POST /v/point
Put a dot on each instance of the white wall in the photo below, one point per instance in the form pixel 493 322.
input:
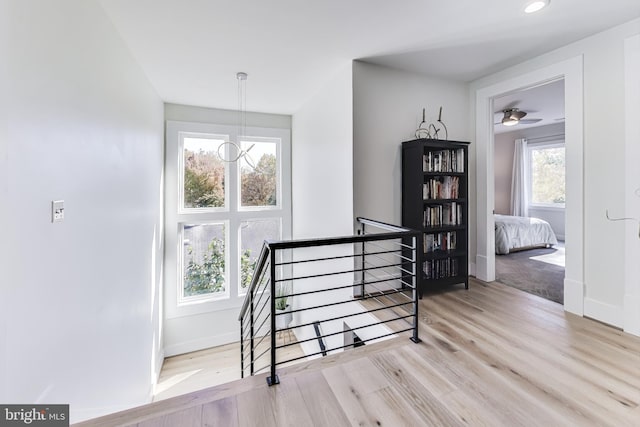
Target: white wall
pixel 604 102
pixel 322 187
pixel 188 113
pixel 503 172
pixel 4 243
pixel 387 109
pixel 82 296
pixel 197 331
pixel 322 161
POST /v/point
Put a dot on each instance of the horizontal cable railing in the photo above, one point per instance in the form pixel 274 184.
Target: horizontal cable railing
pixel 312 298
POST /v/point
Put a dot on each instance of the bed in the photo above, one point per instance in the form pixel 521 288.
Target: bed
pixel 518 233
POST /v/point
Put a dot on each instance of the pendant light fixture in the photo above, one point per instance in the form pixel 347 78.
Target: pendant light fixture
pixel 241 128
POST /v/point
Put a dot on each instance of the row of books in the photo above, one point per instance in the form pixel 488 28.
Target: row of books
pixel 441 268
pixel 440 241
pixel 444 214
pixel 442 187
pixel 444 161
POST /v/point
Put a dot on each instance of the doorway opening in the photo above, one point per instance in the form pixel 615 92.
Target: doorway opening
pixel 571 70
pixel 529 189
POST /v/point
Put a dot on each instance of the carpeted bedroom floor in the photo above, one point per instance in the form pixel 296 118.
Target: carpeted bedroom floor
pixel 537 271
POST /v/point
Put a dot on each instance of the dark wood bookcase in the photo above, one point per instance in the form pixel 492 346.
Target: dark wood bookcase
pixel 435 190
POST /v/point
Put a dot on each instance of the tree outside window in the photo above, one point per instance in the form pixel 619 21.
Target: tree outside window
pixel 547 175
pixel 204 187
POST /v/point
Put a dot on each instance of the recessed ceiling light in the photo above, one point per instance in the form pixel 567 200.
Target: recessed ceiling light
pixel 535 6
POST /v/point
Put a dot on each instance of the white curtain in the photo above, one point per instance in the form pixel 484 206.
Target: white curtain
pixel 519 185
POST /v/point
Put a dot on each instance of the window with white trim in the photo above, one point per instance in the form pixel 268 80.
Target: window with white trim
pixel 222 201
pixel 547 175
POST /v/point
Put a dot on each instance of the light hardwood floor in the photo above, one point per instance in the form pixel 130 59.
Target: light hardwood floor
pixel 490 356
pixel 207 368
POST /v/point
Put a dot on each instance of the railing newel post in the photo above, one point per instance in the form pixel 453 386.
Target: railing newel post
pixel 272 379
pixel 251 331
pixel 416 282
pixel 241 350
pixel 362 279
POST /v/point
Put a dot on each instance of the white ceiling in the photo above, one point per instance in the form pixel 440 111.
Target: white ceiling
pixel 544 102
pixel 192 49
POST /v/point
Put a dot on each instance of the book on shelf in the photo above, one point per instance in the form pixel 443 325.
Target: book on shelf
pixel 442 214
pixel 445 241
pixel 444 161
pixel 442 187
pixel 441 268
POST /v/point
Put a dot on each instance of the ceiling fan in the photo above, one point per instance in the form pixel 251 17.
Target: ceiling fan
pixel 513 116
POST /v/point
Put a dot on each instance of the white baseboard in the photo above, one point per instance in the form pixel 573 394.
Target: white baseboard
pixel 603 312
pixel 483 270
pixel 472 269
pixel 632 314
pixel 200 344
pixel 574 297
pixel 159 362
pixel 157 370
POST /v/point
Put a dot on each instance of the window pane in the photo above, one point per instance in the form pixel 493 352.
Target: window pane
pixel 547 175
pixel 258 174
pixel 204 174
pixel 252 235
pixel 203 258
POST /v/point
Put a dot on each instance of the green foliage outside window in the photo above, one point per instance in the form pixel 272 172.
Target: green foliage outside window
pixel 203 180
pixel 548 175
pixel 259 184
pixel 207 276
pixel 204 183
pixel 246 268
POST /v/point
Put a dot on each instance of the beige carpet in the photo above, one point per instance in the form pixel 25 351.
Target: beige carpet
pixel 537 271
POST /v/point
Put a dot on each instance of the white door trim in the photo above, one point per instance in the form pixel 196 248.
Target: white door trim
pixel 631 320
pixel 572 72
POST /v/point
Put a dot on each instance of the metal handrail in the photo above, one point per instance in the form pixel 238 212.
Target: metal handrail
pixel 266 277
pixel 262 259
pixel 380 224
pixel 270 245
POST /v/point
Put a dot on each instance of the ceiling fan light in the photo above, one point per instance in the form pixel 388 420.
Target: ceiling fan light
pixel 535 6
pixel 517 115
pixel 512 116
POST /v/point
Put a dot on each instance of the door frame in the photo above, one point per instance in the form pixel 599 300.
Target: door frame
pixel 571 71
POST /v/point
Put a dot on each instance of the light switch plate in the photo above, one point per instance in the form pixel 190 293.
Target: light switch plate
pixel 57 211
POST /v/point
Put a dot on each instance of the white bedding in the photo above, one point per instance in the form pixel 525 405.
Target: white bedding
pixel 517 232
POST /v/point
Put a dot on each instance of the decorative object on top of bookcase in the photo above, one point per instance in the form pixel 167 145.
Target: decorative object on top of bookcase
pixel 435 182
pixel 426 132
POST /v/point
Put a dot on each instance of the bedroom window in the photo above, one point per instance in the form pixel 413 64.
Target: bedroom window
pixel 547 175
pixel 219 210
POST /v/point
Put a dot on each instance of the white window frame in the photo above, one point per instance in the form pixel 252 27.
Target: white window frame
pixel 212 297
pixel 538 146
pixel 278 205
pixel 232 214
pixel 199 135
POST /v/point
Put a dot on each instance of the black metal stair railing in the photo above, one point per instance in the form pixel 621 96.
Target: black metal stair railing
pixel 363 286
